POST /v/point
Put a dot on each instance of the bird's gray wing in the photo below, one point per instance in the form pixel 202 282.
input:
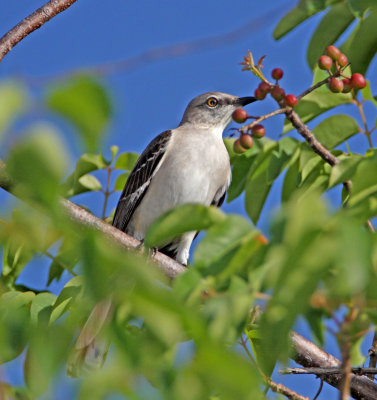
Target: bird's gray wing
pixel 139 180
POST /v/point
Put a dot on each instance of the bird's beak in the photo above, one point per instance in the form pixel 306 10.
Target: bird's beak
pixel 243 101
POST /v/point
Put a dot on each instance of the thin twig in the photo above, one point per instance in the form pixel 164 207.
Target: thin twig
pixel 107 192
pixel 170 51
pixel 326 371
pixel 359 105
pixel 319 390
pixel 31 23
pixel 248 127
pixel 281 389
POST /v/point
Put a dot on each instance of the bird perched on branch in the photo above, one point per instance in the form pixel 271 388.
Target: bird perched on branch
pixel 188 164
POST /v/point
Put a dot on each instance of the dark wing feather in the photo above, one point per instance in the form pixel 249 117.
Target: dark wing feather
pixel 139 180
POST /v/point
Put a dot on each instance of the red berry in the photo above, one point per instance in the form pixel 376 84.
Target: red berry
pixel 264 87
pixel 342 60
pixel 335 85
pixel 358 81
pixel 259 95
pixel 277 73
pixel 240 115
pixel 246 141
pixel 325 62
pixel 277 93
pixel 347 85
pixel 290 100
pixel 258 131
pixel 237 148
pixel 333 52
pixel 261 238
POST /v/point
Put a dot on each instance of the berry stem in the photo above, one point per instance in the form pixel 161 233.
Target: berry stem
pixel 367 132
pixel 248 127
pixel 107 192
pixel 317 85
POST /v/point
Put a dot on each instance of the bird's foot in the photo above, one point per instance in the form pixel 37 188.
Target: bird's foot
pixel 148 251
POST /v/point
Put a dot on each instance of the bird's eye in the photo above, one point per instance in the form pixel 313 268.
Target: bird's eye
pixel 212 102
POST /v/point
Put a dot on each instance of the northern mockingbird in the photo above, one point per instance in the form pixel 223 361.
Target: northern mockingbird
pixel 188 164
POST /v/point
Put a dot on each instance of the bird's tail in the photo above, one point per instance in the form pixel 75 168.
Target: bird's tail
pixel 90 350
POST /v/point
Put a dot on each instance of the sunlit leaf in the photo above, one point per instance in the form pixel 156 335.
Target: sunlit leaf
pixel 185 218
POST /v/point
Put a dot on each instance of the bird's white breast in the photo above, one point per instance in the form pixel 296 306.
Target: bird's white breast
pixel 194 169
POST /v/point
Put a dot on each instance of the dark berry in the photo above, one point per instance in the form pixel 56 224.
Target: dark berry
pixel 277 93
pixel 347 85
pixel 237 148
pixel 259 95
pixel 333 52
pixel 342 60
pixel 335 85
pixel 264 87
pixel 240 115
pixel 246 141
pixel 290 100
pixel 277 73
pixel 258 131
pixel 325 62
pixel 358 81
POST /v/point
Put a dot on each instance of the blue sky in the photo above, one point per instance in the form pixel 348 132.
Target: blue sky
pixel 152 97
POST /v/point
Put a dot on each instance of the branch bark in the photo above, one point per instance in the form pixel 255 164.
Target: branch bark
pixel 309 355
pixel 31 23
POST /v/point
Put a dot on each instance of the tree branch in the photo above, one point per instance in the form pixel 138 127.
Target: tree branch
pixel 326 371
pixel 31 23
pixel 309 355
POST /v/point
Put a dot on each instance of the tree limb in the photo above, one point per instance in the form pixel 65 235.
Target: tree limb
pixel 31 23
pixel 309 355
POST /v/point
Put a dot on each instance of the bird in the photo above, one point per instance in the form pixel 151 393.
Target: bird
pixel 188 164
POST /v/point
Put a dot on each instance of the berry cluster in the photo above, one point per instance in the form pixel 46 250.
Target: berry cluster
pixel 245 141
pixel 276 91
pixel 334 61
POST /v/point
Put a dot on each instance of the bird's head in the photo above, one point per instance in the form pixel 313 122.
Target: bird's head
pixel 213 109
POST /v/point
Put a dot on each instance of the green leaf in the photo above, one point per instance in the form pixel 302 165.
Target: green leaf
pixel 15 257
pixel 332 25
pixel 295 271
pixel 344 170
pixel 76 183
pixel 241 166
pixel 220 240
pixel 364 180
pixel 261 180
pixel 41 307
pixel 316 103
pixel 359 7
pixel 334 130
pixel 84 102
pixel 89 183
pixel 126 161
pixel 361 56
pixel 38 163
pixel 121 181
pixel 367 94
pixel 67 296
pixel 66 258
pixel 303 10
pixel 184 218
pixel 13 97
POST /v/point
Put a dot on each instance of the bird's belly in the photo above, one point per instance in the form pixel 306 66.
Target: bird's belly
pixel 197 182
